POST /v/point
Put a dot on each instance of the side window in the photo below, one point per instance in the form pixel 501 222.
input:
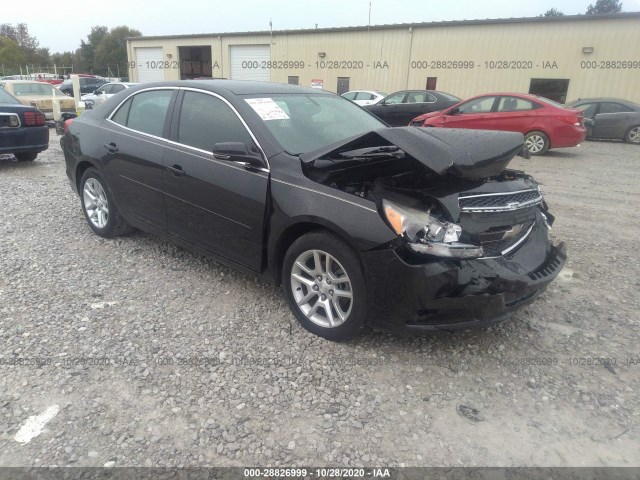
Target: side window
pixel 514 104
pixel 350 95
pixel 479 105
pixel 148 111
pixel 610 107
pixel 417 97
pixel 206 120
pixel 395 98
pixel 122 114
pixel 116 88
pixel 105 89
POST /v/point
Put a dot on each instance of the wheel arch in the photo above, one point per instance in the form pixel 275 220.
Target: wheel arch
pixel 296 230
pixel 83 165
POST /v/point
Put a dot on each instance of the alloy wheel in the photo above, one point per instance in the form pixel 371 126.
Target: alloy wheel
pixel 534 143
pixel 95 203
pixel 634 135
pixel 321 288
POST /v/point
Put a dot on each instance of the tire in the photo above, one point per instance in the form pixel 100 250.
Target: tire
pixel 26 156
pixel 304 262
pixel 633 135
pixel 98 206
pixel 537 143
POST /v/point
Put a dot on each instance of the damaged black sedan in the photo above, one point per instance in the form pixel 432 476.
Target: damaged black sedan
pixel 405 228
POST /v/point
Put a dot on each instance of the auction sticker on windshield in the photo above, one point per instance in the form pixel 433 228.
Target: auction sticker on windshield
pixel 267 109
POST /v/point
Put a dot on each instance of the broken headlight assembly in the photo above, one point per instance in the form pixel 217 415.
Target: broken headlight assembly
pixel 428 234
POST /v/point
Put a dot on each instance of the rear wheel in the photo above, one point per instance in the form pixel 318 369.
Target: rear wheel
pixel 98 206
pixel 633 135
pixel 537 143
pixel 26 156
pixel 324 286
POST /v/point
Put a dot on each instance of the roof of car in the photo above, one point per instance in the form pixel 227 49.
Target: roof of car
pixel 603 99
pixel 238 87
pixel 13 82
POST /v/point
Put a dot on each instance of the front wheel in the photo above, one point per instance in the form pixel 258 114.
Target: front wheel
pixel 633 135
pixel 537 143
pixel 98 206
pixel 324 286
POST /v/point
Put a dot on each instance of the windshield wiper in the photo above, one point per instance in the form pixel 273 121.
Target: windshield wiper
pixel 385 151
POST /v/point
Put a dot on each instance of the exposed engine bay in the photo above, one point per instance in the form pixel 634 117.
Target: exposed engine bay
pixel 439 205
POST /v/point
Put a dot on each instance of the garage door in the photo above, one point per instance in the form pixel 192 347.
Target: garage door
pixel 247 62
pixel 148 63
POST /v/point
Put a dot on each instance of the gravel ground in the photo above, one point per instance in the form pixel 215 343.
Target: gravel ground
pixel 206 366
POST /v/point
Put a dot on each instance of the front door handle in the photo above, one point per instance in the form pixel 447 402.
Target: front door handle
pixel 176 170
pixel 111 147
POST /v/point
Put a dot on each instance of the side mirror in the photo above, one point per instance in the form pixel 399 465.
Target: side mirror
pixel 237 152
pixel 453 111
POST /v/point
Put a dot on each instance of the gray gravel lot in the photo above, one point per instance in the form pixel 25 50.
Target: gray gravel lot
pixel 206 366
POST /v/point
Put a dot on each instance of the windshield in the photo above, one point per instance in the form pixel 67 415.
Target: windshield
pixel 6 98
pixel 26 89
pixel 305 122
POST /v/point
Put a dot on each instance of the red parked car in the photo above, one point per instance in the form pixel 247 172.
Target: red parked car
pixel 544 123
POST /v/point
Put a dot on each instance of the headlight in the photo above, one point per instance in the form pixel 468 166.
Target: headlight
pixel 426 233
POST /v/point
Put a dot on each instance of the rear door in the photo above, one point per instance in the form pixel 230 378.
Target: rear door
pixel 512 114
pixel 133 151
pixel 416 103
pixel 213 203
pixel 612 120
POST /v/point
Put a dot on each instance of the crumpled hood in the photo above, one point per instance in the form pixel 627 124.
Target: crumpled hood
pixel 470 154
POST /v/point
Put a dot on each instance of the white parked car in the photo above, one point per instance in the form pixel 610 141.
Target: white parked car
pixel 364 97
pixel 108 90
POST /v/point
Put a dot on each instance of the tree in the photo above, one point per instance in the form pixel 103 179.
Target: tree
pixel 20 35
pixel 111 53
pixel 553 12
pixel 88 48
pixel 605 6
pixel 10 56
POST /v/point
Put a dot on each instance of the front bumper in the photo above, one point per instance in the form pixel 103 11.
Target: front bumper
pixel 448 294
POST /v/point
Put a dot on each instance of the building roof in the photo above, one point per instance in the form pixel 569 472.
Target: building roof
pixel 393 26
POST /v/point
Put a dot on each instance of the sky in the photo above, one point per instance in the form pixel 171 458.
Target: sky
pixel 61 26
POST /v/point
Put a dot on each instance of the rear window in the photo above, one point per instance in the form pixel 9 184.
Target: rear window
pixel 26 89
pixel 550 102
pixel 448 96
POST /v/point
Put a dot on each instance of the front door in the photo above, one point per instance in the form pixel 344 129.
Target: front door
pixel 215 204
pixel 471 114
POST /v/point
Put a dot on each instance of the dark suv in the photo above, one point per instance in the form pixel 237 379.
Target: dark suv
pixel 87 85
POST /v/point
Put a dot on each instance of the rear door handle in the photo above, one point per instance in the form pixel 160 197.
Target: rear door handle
pixel 111 147
pixel 176 170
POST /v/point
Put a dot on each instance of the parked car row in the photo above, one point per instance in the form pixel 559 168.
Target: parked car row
pixel 39 95
pixel 23 131
pixel 544 123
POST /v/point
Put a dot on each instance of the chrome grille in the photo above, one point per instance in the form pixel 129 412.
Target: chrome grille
pixel 497 248
pixel 499 202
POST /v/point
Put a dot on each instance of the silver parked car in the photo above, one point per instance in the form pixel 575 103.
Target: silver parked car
pixel 610 118
pixel 102 93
